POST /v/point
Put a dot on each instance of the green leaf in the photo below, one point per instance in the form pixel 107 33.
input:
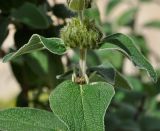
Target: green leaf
pixel 124 44
pixel 104 70
pixel 37 42
pixel 28 119
pixel 30 15
pixel 141 43
pixel 3 29
pixel 149 123
pixel 111 75
pixel 92 13
pixel 153 24
pixel 112 4
pixel 82 107
pixel 127 17
pixel 61 11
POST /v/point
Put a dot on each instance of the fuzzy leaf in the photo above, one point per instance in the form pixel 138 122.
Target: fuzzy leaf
pixel 29 119
pixel 37 42
pixel 82 107
pixel 124 44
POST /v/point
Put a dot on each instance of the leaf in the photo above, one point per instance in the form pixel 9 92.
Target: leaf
pixel 153 24
pixel 37 42
pixel 65 76
pixel 111 75
pixel 3 29
pixel 141 42
pixel 112 4
pixel 29 119
pixel 122 82
pixel 82 107
pixel 92 13
pixel 61 11
pixel 149 123
pixel 124 44
pixel 104 70
pixel 127 17
pixel 30 15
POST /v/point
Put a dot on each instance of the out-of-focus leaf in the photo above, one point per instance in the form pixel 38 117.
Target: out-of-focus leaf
pixel 111 75
pixel 66 76
pixel 92 13
pixel 7 5
pixel 37 42
pixel 82 107
pixel 92 58
pixel 104 70
pixel 136 83
pixel 122 82
pixel 55 67
pixel 153 24
pixel 30 15
pixel 149 123
pixel 124 44
pixel 134 97
pixel 48 66
pixel 61 11
pixel 128 125
pixel 116 58
pixel 146 0
pixel 3 29
pixel 141 43
pixel 111 5
pixel 127 17
pixel 29 119
pixel 107 28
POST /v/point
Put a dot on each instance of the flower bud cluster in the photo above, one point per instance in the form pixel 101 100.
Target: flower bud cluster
pixel 81 34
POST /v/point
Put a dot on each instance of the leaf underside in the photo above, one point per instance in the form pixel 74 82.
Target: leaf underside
pixel 82 107
pixel 124 44
pixel 37 42
pixel 29 119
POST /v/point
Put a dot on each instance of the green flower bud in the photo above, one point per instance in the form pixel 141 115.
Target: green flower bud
pixel 78 5
pixel 81 34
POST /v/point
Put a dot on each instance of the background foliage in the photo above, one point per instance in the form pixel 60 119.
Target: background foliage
pixel 131 110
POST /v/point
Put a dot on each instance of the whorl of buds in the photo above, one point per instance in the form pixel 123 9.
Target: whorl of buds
pixel 78 5
pixel 81 34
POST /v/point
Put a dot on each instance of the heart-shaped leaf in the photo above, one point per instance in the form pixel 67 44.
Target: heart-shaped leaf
pixel 29 119
pixel 37 42
pixel 124 44
pixel 82 107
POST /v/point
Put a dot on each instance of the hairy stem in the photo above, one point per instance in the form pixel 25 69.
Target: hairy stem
pixel 82 62
pixel 80 15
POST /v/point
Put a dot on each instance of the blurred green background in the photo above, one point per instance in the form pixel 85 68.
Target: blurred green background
pixel 28 80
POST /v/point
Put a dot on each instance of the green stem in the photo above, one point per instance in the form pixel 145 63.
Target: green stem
pixel 82 62
pixel 80 14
